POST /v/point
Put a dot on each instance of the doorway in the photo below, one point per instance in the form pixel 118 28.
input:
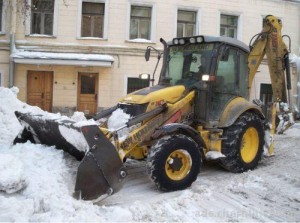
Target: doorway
pixel 40 89
pixel 87 93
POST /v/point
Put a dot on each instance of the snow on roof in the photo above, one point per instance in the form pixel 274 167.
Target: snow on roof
pixel 61 56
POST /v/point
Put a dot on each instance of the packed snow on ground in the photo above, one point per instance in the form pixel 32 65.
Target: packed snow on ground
pixel 37 182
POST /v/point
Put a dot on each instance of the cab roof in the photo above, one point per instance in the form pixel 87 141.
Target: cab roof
pixel 220 39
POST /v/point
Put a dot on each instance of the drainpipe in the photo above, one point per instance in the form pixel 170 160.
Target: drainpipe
pixel 11 61
pixel 13 23
pixel 298 82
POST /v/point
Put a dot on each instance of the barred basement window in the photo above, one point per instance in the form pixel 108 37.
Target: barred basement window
pixel 229 26
pixel 92 21
pixel 140 22
pixel 134 84
pixel 186 23
pixel 42 12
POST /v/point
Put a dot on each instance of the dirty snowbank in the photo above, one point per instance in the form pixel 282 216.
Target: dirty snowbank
pixel 269 193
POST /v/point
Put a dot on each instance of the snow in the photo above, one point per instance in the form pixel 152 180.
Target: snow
pixel 63 56
pixel 11 179
pixel 37 183
pixel 213 155
pixel 117 120
pixel 139 40
pixel 74 137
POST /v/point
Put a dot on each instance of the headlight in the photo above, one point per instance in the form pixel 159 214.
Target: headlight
pixel 199 39
pixel 175 41
pixel 205 77
pixel 144 76
pixel 192 40
pixel 181 41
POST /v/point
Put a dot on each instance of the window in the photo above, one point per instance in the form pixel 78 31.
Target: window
pixel 92 21
pixel 42 17
pixel 135 84
pixel 1 9
pixel 140 22
pixel 227 74
pixel 186 23
pixel 2 16
pixel 229 26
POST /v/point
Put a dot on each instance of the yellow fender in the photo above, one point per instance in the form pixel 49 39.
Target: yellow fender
pixel 235 108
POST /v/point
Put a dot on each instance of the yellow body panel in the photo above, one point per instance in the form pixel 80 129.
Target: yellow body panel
pixel 234 109
pixel 212 140
pixel 139 137
pixel 168 95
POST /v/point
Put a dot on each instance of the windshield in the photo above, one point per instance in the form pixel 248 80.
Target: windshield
pixel 187 63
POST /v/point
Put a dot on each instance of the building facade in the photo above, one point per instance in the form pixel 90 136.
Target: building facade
pixel 67 55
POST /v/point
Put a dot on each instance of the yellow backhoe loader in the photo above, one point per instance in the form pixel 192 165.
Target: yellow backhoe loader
pixel 199 109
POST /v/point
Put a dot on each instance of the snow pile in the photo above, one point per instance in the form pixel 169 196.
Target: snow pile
pixel 12 178
pixel 78 116
pixel 9 124
pixel 117 120
pixel 47 195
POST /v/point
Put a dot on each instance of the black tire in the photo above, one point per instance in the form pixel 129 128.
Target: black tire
pixel 184 168
pixel 237 161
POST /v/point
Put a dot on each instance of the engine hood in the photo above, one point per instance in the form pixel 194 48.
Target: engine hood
pixel 156 93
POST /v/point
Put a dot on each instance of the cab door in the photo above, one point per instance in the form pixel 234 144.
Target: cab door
pixel 225 88
pixel 87 93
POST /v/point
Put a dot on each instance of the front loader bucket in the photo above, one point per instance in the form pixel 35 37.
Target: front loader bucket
pixel 101 171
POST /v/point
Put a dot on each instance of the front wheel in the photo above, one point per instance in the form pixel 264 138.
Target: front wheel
pixel 243 143
pixel 174 162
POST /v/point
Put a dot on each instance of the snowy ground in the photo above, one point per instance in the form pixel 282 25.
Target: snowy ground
pixel 36 184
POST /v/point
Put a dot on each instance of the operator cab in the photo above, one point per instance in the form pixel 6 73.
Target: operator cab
pixel 216 67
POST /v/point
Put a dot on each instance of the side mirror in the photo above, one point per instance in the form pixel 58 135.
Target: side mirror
pixel 147 54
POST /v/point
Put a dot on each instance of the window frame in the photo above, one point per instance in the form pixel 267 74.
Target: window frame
pixel 105 18
pixel 228 27
pixel 152 21
pixel 28 22
pixel 191 9
pixel 3 18
pixel 186 23
pixel 140 19
pixel 239 15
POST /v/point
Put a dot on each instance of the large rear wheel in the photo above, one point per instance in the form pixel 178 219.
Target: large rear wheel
pixel 174 162
pixel 243 143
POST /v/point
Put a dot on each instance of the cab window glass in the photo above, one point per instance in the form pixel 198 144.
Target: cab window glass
pixel 227 74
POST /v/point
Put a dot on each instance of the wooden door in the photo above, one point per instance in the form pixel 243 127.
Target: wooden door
pixel 40 89
pixel 87 93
